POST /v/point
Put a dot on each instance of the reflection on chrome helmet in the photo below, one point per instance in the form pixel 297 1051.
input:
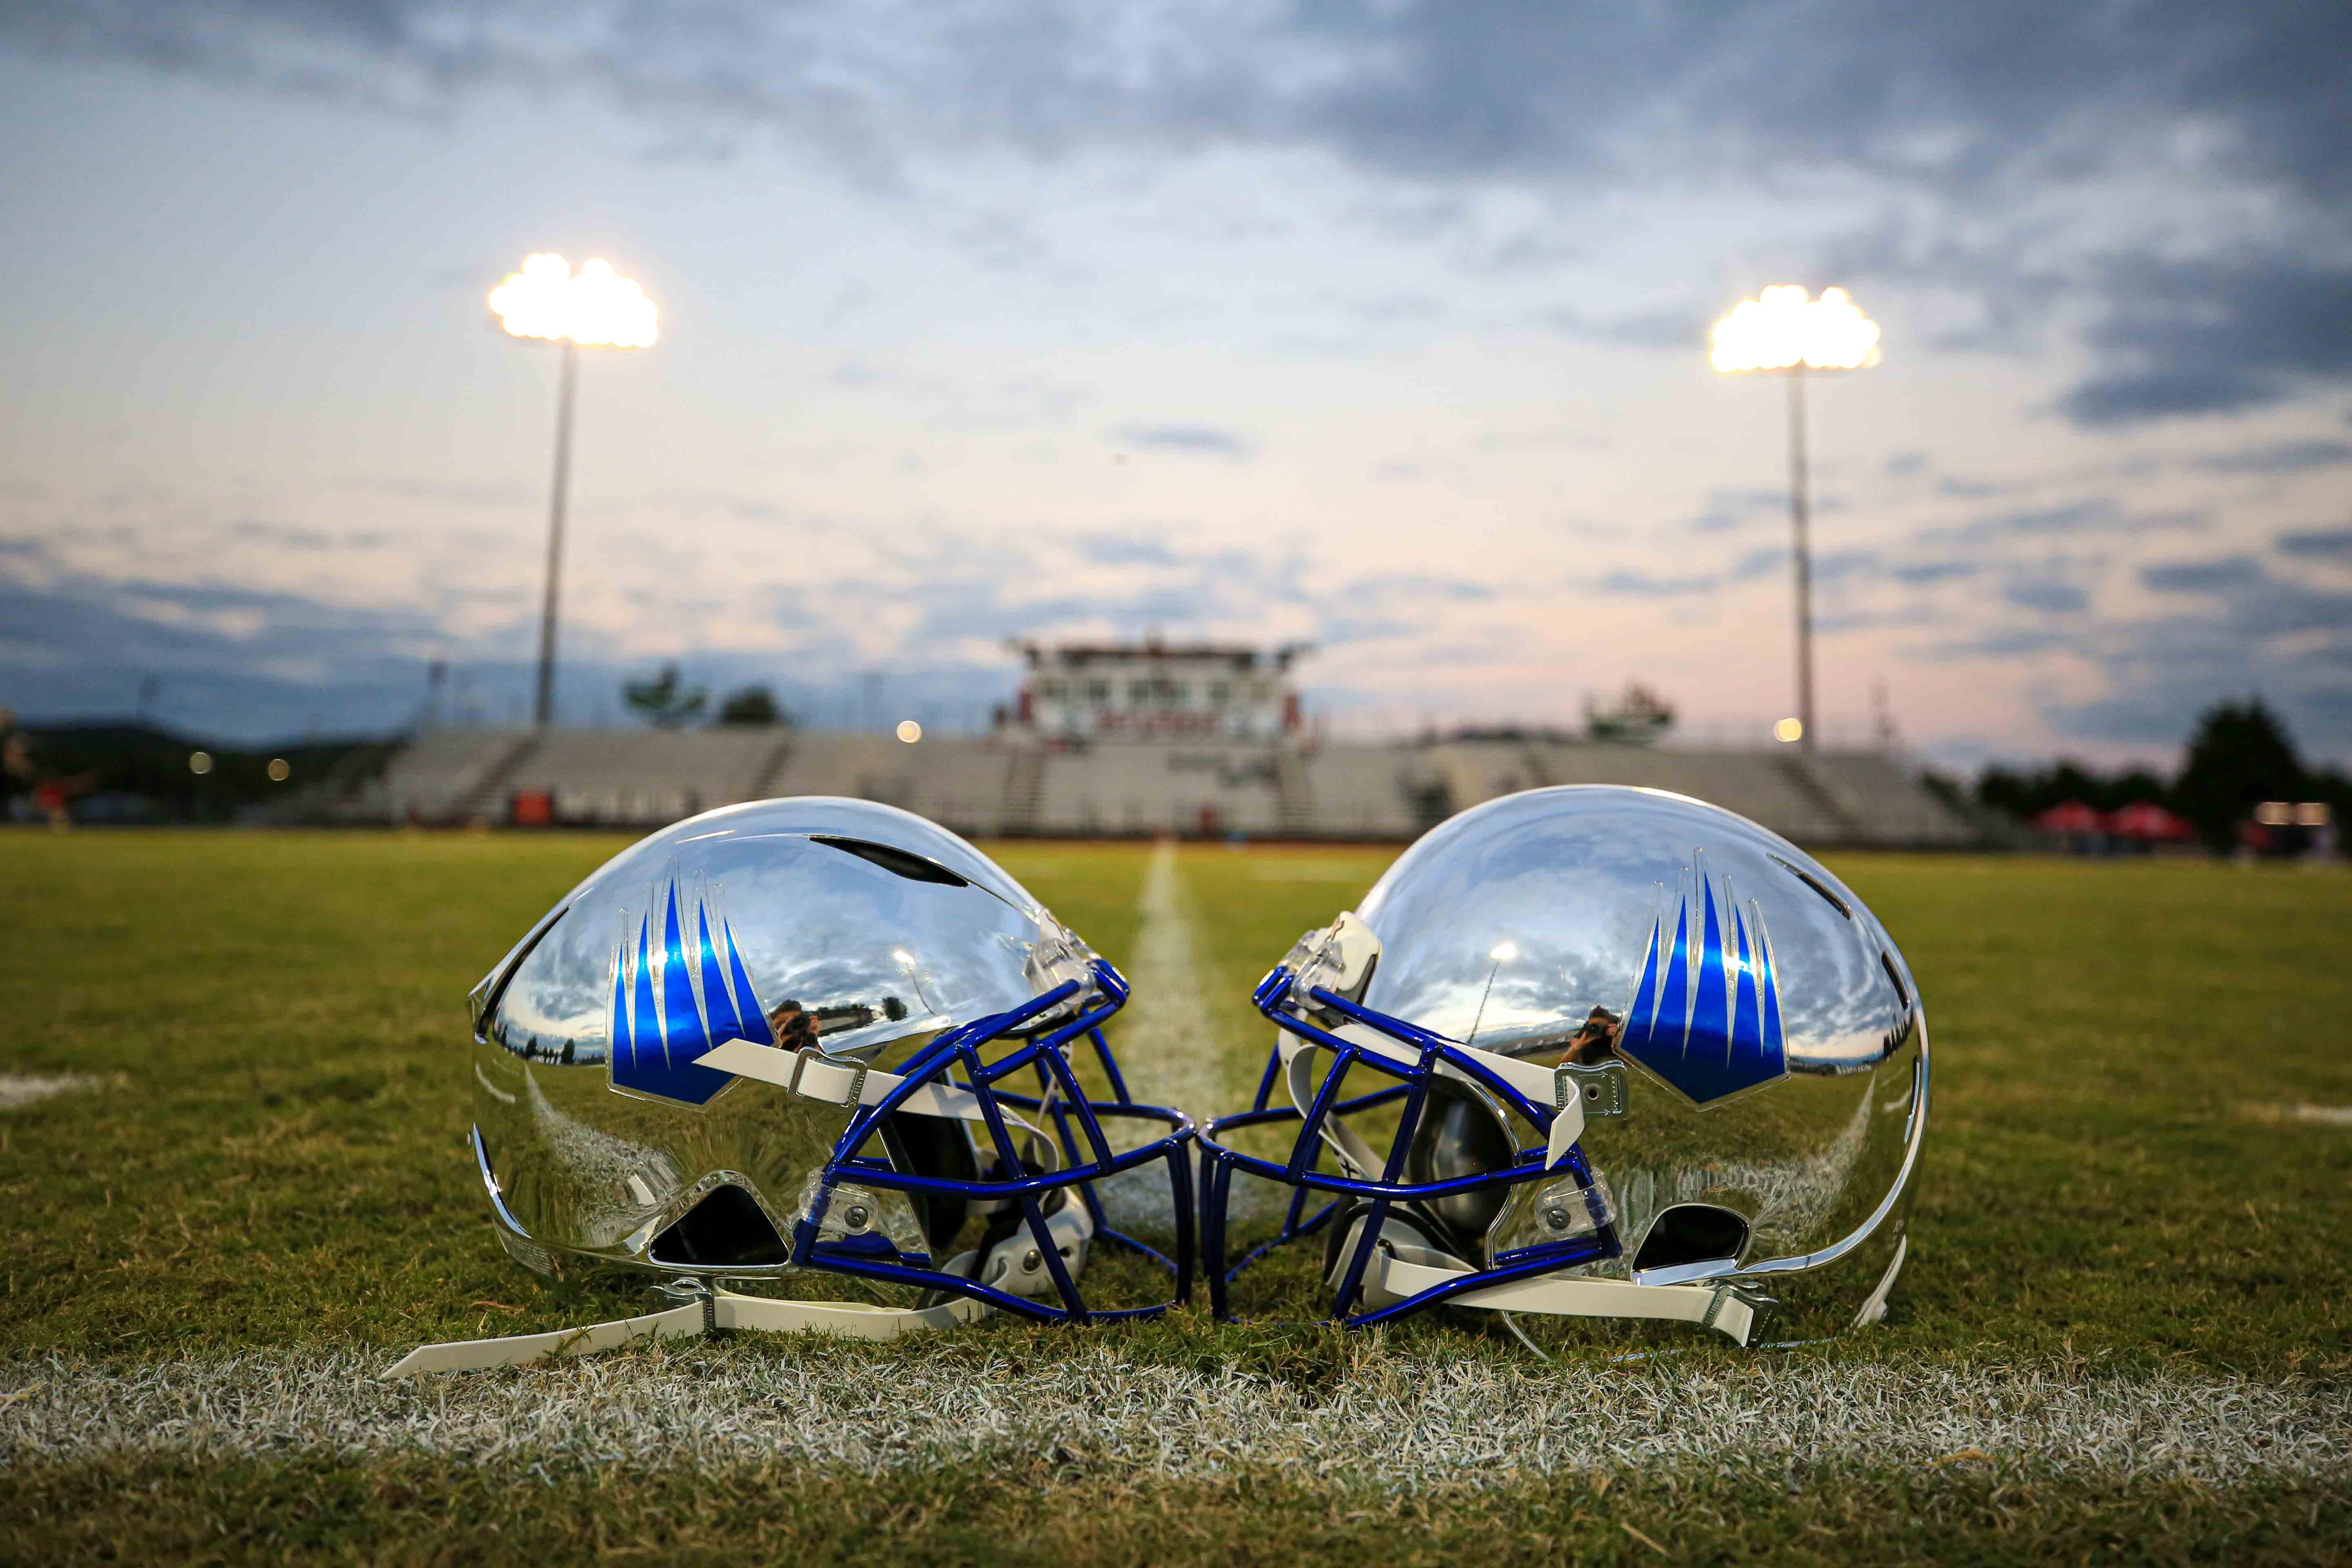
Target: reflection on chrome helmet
pixel 1591 1052
pixel 793 1038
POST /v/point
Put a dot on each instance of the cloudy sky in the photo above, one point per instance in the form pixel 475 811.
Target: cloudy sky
pixel 1366 322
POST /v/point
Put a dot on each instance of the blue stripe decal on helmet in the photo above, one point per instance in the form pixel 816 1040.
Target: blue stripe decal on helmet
pixel 718 1001
pixel 749 1017
pixel 1709 1039
pixel 1711 1026
pixel 657 1039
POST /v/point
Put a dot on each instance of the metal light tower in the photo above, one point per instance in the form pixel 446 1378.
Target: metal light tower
pixel 597 308
pixel 1783 331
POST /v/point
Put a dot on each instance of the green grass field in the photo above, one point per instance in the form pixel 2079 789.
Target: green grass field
pixel 2135 1214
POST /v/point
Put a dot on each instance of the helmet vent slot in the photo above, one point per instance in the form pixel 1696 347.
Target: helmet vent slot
pixel 1690 1241
pixel 1902 993
pixel 1816 883
pixel 727 1229
pixel 897 862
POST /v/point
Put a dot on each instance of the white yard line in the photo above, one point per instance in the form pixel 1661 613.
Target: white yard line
pixel 1169 1047
pixel 23 1088
pixel 2327 1115
pixel 1390 1423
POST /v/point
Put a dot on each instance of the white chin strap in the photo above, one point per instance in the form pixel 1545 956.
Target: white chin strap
pixel 719 1310
pixel 1013 1266
pixel 813 1075
pixel 1401 1267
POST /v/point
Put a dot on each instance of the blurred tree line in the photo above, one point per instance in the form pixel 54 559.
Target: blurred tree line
pixel 2239 756
pixel 666 702
pixel 141 773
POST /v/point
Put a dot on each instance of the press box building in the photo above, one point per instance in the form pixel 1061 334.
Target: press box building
pixel 1157 692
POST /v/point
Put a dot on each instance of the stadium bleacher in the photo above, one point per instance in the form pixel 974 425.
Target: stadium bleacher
pixel 638 777
pixel 1014 787
pixel 427 779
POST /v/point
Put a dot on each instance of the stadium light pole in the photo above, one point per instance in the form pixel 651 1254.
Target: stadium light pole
pixel 1784 333
pixel 595 308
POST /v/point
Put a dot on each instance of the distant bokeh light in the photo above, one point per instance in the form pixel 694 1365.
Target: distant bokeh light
pixel 200 762
pixel 1782 329
pixel 909 732
pixel 280 770
pixel 596 306
pixel 1788 730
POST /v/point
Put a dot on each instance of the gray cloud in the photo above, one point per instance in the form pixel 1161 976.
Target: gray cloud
pixel 2241 628
pixel 1407 588
pixel 1976 110
pixel 1206 439
pixel 1728 508
pixel 1645 585
pixel 2048 594
pixel 2255 603
pixel 1682 327
pixel 2333 542
pixel 246 662
pixel 2202 576
pixel 1926 572
pixel 1970 489
pixel 2216 336
pixel 2279 458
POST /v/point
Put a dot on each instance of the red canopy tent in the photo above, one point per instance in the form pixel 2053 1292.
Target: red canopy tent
pixel 2149 823
pixel 2073 816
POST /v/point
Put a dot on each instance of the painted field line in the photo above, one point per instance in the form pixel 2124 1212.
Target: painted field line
pixel 2327 1115
pixel 24 1088
pixel 1171 1052
pixel 1391 1423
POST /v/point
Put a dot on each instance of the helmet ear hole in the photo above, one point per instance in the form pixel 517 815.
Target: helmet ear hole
pixel 1460 1135
pixel 932 1146
pixel 727 1230
pixel 1690 1241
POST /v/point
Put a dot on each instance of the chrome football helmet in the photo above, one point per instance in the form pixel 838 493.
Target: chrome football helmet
pixel 824 1045
pixel 1593 1052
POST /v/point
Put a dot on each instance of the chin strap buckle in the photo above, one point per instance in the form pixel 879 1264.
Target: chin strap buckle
pixel 685 1290
pixel 1725 1295
pixel 827 1087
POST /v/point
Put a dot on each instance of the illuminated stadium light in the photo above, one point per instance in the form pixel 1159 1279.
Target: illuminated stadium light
pixel 1784 332
pixel 595 308
pixel 909 732
pixel 1782 329
pixel 1788 730
pixel 598 307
